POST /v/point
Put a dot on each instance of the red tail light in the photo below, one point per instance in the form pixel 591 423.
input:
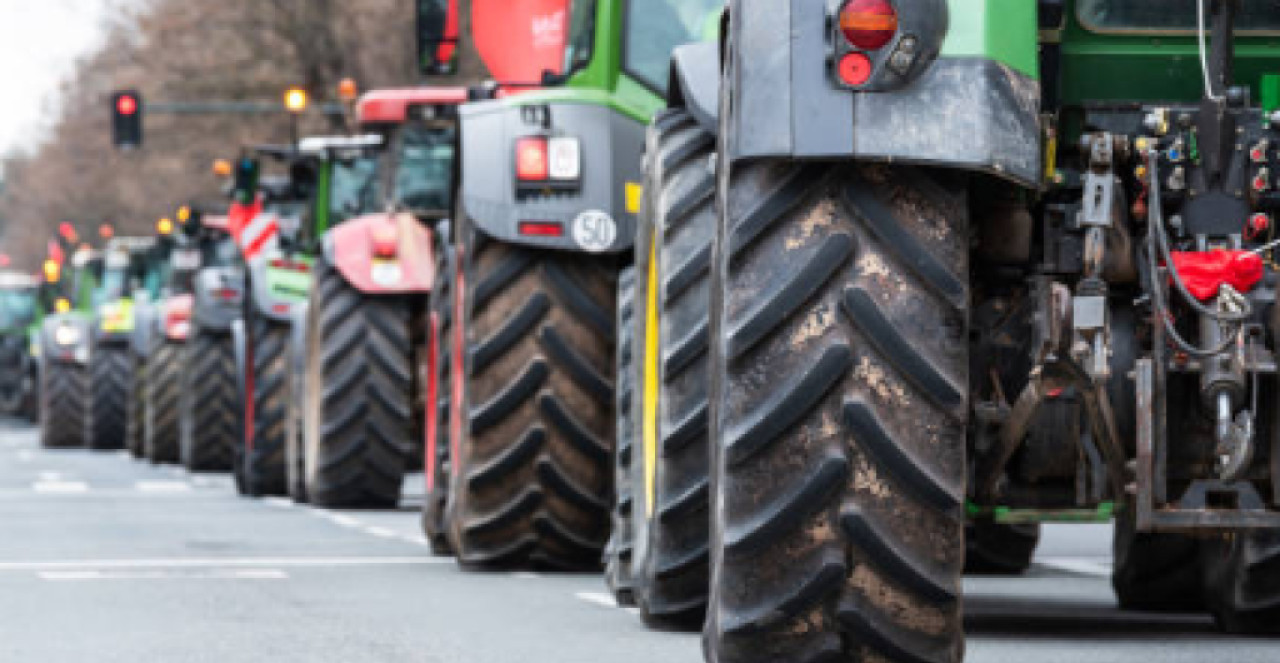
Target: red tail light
pixel 541 229
pixel 868 24
pixel 532 161
pixel 386 240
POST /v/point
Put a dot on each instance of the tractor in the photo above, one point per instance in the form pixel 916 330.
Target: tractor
pixel 65 346
pixel 160 341
pixel 148 282
pixel 20 316
pixel 209 403
pixel 362 429
pixel 111 362
pixel 277 221
pixel 546 220
pixel 971 266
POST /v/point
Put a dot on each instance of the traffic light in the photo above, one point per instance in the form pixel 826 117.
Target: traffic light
pixel 126 119
pixel 246 180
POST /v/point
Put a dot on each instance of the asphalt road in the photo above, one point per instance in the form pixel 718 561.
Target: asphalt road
pixel 106 559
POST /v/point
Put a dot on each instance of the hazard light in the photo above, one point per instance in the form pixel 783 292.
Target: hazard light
pixel 554 161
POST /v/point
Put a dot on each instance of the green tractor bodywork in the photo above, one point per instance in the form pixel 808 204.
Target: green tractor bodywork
pixel 615 77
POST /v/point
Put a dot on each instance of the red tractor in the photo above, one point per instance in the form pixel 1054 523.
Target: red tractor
pixel 366 332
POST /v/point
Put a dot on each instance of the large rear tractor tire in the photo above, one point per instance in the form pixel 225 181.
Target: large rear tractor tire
pixel 1242 582
pixel 163 393
pixel 1155 572
pixel 670 482
pixel 839 380
pixel 992 548
pixel 442 343
pixel 267 350
pixel 619 551
pixel 64 396
pixel 210 403
pixel 110 381
pixel 358 406
pixel 533 476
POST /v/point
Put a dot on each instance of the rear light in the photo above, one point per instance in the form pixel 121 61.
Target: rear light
pixel 289 265
pixel 553 161
pixel 385 237
pixel 228 294
pixel 855 69
pixel 868 24
pixel 541 229
pixel 532 161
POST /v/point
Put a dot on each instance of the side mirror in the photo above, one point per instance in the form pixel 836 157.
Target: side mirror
pixel 437 28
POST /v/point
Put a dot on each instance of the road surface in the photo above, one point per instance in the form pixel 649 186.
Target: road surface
pixel 104 559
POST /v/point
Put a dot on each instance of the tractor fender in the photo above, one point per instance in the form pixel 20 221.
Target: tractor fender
pixel 383 254
pixel 960 105
pixel 695 83
pixel 66 338
pixel 175 317
pixel 267 287
pixel 218 298
pixel 598 214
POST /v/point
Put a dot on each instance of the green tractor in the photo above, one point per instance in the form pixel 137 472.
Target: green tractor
pixel 549 191
pixel 65 348
pixel 278 221
pixel 20 317
pixel 970 266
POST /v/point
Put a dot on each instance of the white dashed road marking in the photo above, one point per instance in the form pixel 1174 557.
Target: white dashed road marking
pixel 214 563
pixel 212 574
pixel 60 487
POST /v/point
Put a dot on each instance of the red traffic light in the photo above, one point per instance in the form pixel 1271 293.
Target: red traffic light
pixel 127 104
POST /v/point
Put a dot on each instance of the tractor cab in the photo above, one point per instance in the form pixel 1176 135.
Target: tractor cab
pixel 19 315
pixel 419 131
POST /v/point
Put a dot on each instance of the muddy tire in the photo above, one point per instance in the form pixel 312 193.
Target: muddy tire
pixel 440 358
pixel 64 396
pixel 1155 572
pixel 358 416
pixel 210 402
pixel 267 349
pixel 670 480
pixel 110 379
pixel 1242 582
pixel 136 426
pixel 618 552
pixel 533 478
pixel 997 549
pixel 839 384
pixel 163 394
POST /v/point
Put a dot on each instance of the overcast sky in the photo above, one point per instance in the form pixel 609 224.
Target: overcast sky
pixel 39 42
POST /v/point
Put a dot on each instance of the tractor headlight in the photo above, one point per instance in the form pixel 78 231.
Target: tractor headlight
pixel 66 335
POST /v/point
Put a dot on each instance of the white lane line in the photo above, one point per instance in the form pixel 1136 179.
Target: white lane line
pixel 60 487
pixel 1088 567
pixel 215 562
pixel 381 532
pixel 416 539
pixel 339 519
pixel 50 476
pixel 212 574
pixel 597 598
pixel 525 575
pixel 278 502
pixel 162 487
